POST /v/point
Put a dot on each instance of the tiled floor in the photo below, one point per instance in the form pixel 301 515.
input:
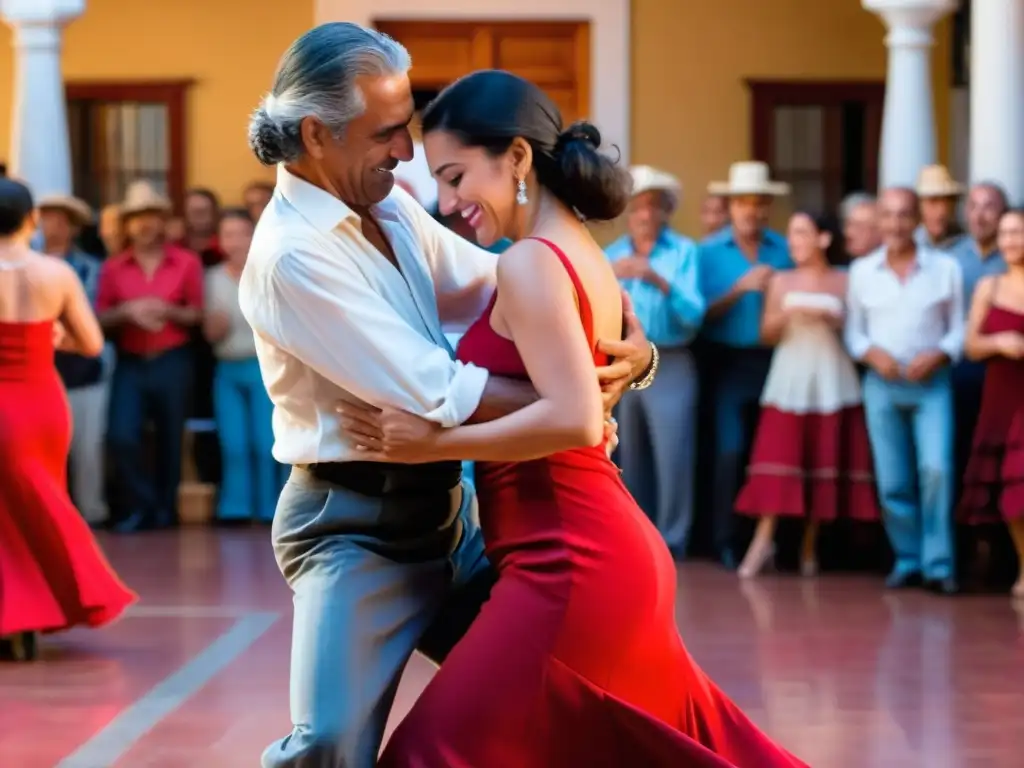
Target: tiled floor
pixel 840 672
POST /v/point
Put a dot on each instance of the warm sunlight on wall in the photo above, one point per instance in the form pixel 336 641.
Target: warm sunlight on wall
pixel 691 109
pixel 229 48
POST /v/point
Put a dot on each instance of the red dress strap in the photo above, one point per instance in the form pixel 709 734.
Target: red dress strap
pixel 586 314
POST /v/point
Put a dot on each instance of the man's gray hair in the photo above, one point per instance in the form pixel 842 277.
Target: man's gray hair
pixel 854 200
pixel 316 78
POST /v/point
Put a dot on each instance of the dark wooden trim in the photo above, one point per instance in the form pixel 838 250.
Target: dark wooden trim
pixel 796 92
pixel 173 93
pixel 767 95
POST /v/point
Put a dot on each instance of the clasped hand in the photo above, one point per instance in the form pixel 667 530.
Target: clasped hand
pixel 920 369
pixel 148 313
pixel 389 434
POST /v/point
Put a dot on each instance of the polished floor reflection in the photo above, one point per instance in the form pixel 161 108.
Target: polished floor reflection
pixel 842 673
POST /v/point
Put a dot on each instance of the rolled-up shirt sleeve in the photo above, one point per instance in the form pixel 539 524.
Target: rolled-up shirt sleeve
pixel 330 318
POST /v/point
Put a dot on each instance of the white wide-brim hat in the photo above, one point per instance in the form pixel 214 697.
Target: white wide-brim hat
pixel 646 178
pixel 936 181
pixel 77 209
pixel 142 197
pixel 748 178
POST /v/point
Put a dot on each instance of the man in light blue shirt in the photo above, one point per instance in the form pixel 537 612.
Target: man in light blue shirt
pixel 734 267
pixel 658 425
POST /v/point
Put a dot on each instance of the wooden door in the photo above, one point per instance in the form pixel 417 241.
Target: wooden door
pixel 553 54
pixel 820 136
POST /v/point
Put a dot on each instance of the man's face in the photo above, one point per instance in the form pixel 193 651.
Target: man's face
pixel 984 207
pixel 56 226
pixel 145 229
pixel 860 230
pixel 256 198
pixel 937 214
pixel 357 167
pixel 749 214
pixel 898 218
pixel 200 214
pixel 714 214
pixel 647 215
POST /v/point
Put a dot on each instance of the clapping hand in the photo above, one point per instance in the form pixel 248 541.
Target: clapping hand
pixel 755 280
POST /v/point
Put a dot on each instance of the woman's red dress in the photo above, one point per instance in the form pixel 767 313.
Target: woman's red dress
pixel 52 574
pixel 576 659
pixel 994 477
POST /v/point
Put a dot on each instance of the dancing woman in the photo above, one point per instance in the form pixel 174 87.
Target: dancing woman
pixel 52 574
pixel 575 659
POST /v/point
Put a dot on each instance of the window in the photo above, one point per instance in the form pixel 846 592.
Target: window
pixel 123 132
pixel 820 137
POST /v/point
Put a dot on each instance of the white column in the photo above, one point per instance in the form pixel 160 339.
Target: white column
pixel 40 149
pixel 908 123
pixel 997 95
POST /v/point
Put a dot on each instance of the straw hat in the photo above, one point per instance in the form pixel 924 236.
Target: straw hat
pixel 142 197
pixel 748 178
pixel 936 181
pixel 647 179
pixel 77 209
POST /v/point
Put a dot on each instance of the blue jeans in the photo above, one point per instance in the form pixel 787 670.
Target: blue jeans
pixel 737 381
pixel 907 421
pixel 251 480
pixel 149 389
pixel 360 614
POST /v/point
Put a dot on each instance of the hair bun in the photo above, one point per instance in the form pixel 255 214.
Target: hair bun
pixel 579 132
pixel 266 138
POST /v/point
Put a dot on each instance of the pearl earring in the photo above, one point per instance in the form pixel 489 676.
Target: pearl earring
pixel 521 197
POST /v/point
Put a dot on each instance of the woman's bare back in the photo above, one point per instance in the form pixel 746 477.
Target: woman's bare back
pixel 595 273
pixel 34 288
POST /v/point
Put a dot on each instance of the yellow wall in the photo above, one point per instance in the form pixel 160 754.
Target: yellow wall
pixel 229 47
pixel 690 106
pixel 691 109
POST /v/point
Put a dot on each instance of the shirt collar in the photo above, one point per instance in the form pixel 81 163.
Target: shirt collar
pixel 768 237
pixel 922 257
pixel 322 209
pixel 171 253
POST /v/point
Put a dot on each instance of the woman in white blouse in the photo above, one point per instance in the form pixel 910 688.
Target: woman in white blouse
pixel 252 479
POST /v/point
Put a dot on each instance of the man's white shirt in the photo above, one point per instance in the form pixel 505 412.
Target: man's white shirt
pixel 921 313
pixel 333 319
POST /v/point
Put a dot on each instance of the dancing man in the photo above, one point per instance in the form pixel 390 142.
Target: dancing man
pixel 342 289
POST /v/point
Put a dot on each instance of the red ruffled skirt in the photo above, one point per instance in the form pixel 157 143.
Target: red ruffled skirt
pixel 812 465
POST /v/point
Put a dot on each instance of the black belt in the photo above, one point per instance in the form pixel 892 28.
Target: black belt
pixel 419 519
pixel 372 478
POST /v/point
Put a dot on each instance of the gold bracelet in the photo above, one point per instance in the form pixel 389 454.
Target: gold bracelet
pixel 652 369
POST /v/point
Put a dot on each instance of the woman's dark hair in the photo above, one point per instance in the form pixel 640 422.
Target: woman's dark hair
pixel 235 213
pixel 826 223
pixel 490 108
pixel 16 205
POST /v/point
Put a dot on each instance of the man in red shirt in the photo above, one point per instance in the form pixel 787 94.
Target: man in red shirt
pixel 149 299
